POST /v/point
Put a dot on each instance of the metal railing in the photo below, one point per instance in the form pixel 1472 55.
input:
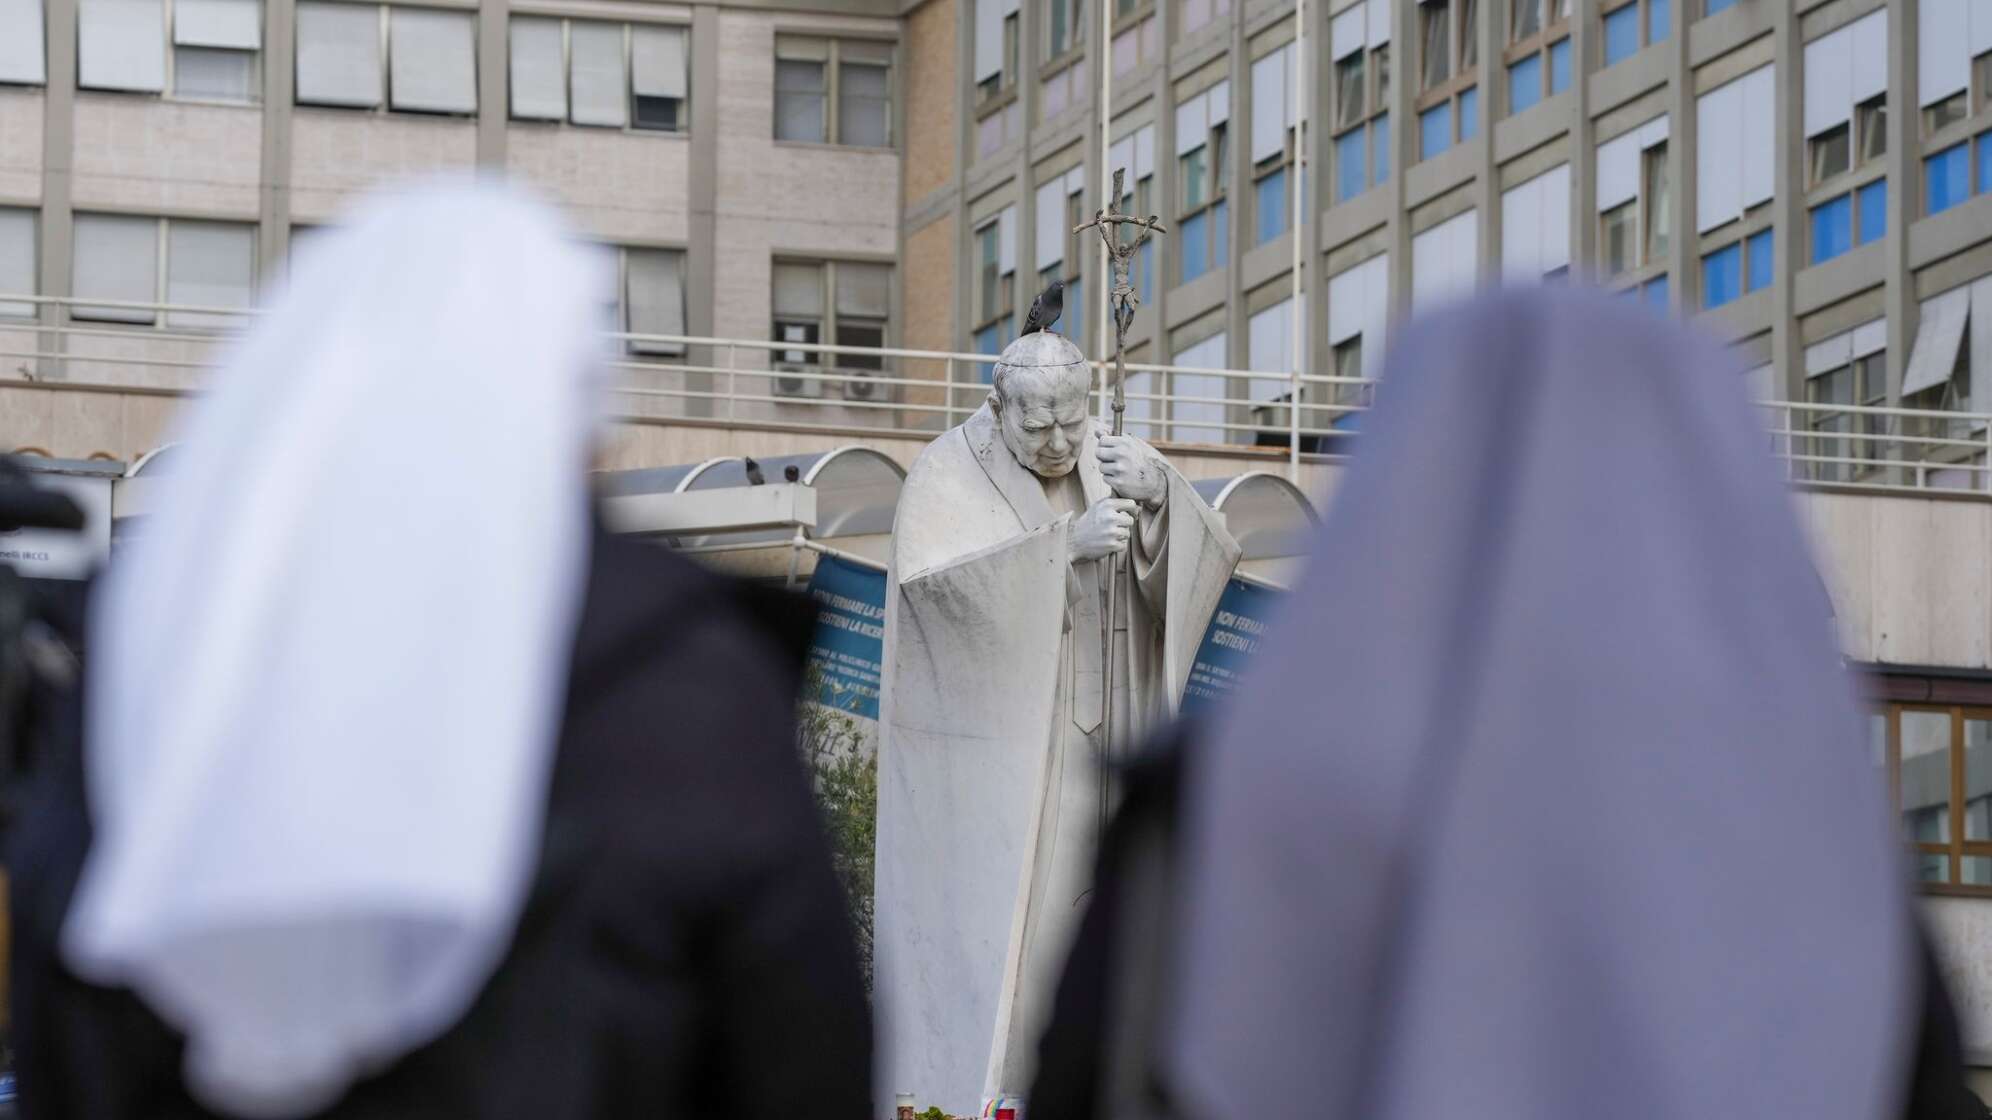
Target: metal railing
pixel 78 344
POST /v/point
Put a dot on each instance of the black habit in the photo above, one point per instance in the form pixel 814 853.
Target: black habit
pixel 684 950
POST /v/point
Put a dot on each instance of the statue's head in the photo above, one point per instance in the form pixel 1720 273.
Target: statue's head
pixel 1041 384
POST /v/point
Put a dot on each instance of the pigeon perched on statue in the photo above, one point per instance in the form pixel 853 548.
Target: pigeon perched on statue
pixel 1046 308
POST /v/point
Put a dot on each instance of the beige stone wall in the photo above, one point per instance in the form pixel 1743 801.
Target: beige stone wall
pixel 1910 578
pixel 931 124
pixel 928 275
pixel 336 155
pixel 626 187
pixel 20 145
pixel 76 425
pixel 147 156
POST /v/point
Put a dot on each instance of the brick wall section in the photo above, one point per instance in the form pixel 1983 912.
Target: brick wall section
pixel 619 186
pixel 20 146
pixel 930 98
pixel 336 155
pixel 150 156
pixel 928 271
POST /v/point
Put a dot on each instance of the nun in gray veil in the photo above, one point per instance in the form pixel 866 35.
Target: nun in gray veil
pixel 1546 798
pixel 1549 797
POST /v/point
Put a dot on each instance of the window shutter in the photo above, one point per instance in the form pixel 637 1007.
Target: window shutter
pixel 1218 97
pixel 1938 337
pixel 864 290
pixel 1868 47
pixel 1346 32
pixel 1759 155
pixel 539 87
pixel 798 291
pixel 21 49
pixel 1266 335
pixel 1618 171
pixel 432 60
pixel 988 39
pixel 1379 22
pixel 1521 231
pixel 1006 241
pixel 338 54
pixel 1269 105
pixel 1719 152
pixel 864 105
pixel 229 24
pixel 657 61
pixel 1347 294
pixel 1144 153
pixel 1192 124
pixel 1943 47
pixel 1049 214
pixel 600 88
pixel 121 44
pixel 656 298
pixel 116 258
pixel 209 264
pixel 17 260
pixel 1553 197
pixel 1829 74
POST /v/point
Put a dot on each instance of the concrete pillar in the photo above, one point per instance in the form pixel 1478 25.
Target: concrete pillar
pixel 58 156
pixel 1788 200
pixel 1683 280
pixel 1586 52
pixel 1492 33
pixel 1403 94
pixel 279 81
pixel 701 264
pixel 493 103
pixel 1904 147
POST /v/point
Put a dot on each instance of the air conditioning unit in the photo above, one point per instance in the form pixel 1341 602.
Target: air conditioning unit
pixel 860 386
pixel 792 386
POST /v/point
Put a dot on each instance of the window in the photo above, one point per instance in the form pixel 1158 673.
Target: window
pixel 1710 7
pixel 1635 205
pixel 1535 226
pixel 22 61
pixel 1847 369
pixel 1654 294
pixel 18 262
pixel 1203 163
pixel 1538 54
pixel 1358 309
pixel 1273 140
pixel 1737 269
pixel 1445 260
pixel 653 299
pixel 1136 35
pixel 150 261
pixel 1947 178
pixel 1360 38
pixel 1632 25
pixel 831 91
pixel 217 45
pixel 606 75
pixel 999 116
pixel 1061 253
pixel 364 56
pixel 1939 374
pixel 121 45
pixel 843 303
pixel 1448 57
pixel 1846 129
pixel 1954 90
pixel 1197 13
pixel 1734 148
pixel 1939 763
pixel 1199 418
pixel 995 283
pixel 1063 72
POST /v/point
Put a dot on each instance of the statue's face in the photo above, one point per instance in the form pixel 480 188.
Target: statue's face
pixel 1044 422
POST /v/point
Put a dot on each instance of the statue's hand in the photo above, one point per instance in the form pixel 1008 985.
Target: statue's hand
pixel 1103 530
pixel 1133 469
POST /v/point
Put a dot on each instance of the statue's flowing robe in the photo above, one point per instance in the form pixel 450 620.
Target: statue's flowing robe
pixel 990 741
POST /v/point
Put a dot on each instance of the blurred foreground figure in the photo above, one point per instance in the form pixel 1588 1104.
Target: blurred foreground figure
pixel 409 791
pixel 1549 799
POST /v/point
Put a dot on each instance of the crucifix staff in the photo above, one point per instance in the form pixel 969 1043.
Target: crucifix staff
pixel 1111 223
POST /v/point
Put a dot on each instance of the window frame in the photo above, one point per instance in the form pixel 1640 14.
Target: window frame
pixel 170 63
pixel 1556 27
pixel 629 74
pixel 1647 253
pixel 830 325
pixel 1847 183
pixel 385 11
pixel 1374 115
pixel 1462 80
pixel 1130 18
pixel 1643 17
pixel 162 273
pixel 1836 434
pixel 34 310
pixel 1740 235
pixel 1971 128
pixel 993 95
pixel 1218 154
pixel 1007 304
pixel 1956 812
pixel 833 62
pixel 623 324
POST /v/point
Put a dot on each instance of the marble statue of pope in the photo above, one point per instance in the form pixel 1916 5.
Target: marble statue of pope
pixel 991 714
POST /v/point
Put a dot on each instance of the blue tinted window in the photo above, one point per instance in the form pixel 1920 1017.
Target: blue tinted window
pixel 1654 294
pixel 1272 199
pixel 1380 129
pixel 1832 228
pixel 1193 254
pixel 1469 114
pixel 1658 20
pixel 1435 130
pixel 1622 34
pixel 1722 276
pixel 1715 6
pixel 1075 310
pixel 988 340
pixel 1559 66
pixel 1757 261
pixel 1871 202
pixel 1351 176
pixel 1147 289
pixel 1220 217
pixel 1525 83
pixel 1985 162
pixel 1947 178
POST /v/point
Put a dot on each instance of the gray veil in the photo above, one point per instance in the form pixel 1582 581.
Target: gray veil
pixel 1549 797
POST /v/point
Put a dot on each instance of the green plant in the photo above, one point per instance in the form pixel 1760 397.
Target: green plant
pixel 845 773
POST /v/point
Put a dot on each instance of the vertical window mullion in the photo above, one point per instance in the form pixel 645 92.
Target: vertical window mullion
pixel 833 62
pixel 629 77
pixel 1957 795
pixel 159 272
pixel 827 283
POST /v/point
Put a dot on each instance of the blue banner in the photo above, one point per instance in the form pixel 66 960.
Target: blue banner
pixel 1230 643
pixel 848 651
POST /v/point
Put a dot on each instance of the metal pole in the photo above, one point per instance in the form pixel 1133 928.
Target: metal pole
pixel 1298 318
pixel 1104 65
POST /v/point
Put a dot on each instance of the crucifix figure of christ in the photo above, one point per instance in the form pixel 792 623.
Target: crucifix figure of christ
pixel 1122 300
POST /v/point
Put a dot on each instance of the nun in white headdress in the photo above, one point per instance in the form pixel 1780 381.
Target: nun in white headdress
pixel 404 789
pixel 1547 797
